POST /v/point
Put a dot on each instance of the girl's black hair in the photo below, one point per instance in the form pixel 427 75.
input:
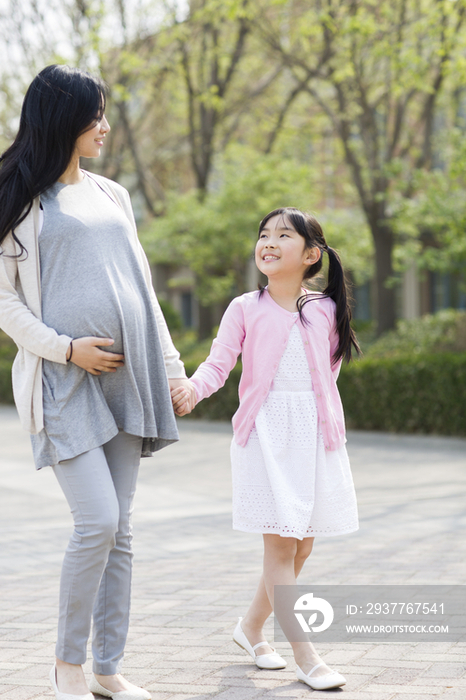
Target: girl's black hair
pixel 309 228
pixel 60 104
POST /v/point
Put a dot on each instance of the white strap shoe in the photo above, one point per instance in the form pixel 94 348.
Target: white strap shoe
pixel 325 682
pixel 134 693
pixel 65 696
pixel 270 661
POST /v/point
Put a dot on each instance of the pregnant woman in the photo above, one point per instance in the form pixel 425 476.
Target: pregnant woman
pixel 95 365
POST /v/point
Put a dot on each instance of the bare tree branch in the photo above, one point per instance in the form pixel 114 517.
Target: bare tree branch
pixel 300 87
pixel 140 170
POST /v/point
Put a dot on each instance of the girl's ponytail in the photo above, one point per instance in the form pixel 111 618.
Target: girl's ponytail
pixel 336 290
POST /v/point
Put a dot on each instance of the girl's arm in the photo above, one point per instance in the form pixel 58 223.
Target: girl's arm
pixel 212 374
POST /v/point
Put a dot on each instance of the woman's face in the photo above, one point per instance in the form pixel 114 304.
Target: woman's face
pixel 88 145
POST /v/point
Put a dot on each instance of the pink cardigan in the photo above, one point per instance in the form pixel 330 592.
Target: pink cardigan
pixel 259 329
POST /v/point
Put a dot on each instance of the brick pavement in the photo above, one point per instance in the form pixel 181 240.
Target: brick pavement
pixel 194 575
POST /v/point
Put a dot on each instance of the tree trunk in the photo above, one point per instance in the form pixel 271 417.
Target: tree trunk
pixel 385 302
pixel 205 322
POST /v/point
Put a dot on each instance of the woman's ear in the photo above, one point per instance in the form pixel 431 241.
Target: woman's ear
pixel 312 255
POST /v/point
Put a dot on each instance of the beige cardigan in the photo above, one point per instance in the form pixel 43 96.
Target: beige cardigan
pixel 20 310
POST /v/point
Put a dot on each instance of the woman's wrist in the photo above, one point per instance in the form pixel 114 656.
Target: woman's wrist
pixel 69 352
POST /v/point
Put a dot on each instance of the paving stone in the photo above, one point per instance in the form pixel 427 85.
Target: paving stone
pixel 345 694
pixel 22 693
pixel 194 576
pixel 183 696
pixel 386 651
pixel 453 694
pixel 392 663
pixel 444 682
pixel 451 670
pixel 410 696
pixel 166 687
pixel 240 693
pixel 419 691
pixel 398 676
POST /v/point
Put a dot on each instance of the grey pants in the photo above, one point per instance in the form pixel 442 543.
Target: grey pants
pixel 96 575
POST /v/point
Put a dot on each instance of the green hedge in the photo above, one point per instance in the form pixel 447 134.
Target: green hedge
pixel 408 394
pixel 6 392
pixel 222 404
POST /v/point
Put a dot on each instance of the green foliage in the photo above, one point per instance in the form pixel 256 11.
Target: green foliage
pixel 347 231
pixel 410 380
pixel 444 331
pixel 423 393
pixel 8 348
pixel 432 223
pixel 192 351
pixel 6 390
pixel 8 351
pixel 172 317
pixel 366 332
pixel 221 405
pixel 215 237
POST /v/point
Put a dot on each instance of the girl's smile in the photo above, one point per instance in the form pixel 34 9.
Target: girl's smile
pixel 281 250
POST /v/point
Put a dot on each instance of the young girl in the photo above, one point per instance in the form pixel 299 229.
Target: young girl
pixel 90 377
pixel 291 475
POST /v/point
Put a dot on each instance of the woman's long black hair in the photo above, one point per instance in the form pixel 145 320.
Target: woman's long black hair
pixel 309 228
pixel 61 104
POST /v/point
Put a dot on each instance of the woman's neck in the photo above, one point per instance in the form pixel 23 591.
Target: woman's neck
pixel 73 174
pixel 285 294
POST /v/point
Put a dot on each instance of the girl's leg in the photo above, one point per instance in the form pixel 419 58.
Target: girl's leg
pixel 261 608
pixel 89 490
pixel 279 569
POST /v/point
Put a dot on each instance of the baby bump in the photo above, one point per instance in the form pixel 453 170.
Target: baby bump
pixel 97 312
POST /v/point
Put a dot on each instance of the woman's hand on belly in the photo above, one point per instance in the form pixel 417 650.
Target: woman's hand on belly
pixel 88 355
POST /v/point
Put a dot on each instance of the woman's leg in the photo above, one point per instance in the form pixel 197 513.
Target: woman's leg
pixel 89 490
pixel 261 608
pixel 112 605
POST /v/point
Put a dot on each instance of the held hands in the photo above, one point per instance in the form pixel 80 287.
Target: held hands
pixel 88 355
pixel 183 396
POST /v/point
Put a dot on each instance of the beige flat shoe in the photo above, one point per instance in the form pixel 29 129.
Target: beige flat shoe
pixel 133 693
pixel 65 696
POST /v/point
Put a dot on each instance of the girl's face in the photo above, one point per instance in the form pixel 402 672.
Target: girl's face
pixel 281 251
pixel 88 145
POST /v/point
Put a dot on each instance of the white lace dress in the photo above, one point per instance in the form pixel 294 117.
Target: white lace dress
pixel 284 481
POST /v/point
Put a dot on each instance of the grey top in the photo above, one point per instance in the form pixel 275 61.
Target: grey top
pixel 92 285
